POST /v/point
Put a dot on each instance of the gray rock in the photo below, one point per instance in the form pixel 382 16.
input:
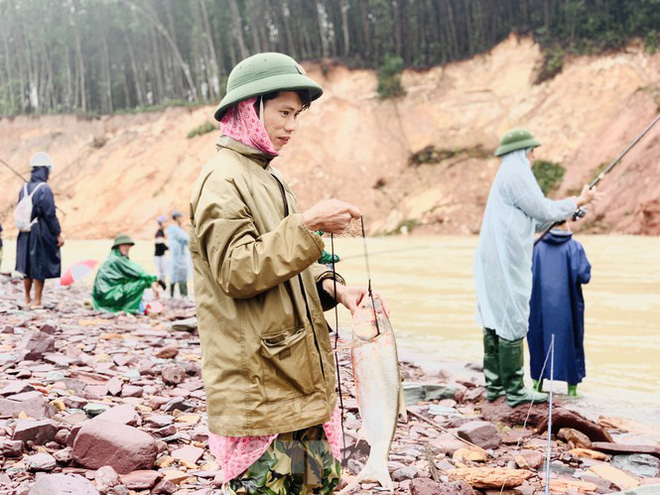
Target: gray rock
pixel 641 465
pixel 40 462
pixel 63 484
pixel 173 374
pixel 106 478
pixel 404 473
pixel 640 490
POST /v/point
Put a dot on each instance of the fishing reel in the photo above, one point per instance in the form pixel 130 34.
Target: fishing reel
pixel 580 212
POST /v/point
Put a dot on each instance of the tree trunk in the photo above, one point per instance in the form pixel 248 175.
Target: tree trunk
pixel 238 28
pixel 345 27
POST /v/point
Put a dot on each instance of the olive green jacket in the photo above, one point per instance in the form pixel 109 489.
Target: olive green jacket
pixel 267 360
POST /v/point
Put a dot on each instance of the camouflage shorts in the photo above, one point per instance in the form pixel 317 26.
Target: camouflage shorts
pixel 296 463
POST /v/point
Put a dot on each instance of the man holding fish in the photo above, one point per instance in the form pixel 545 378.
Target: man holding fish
pixel 268 365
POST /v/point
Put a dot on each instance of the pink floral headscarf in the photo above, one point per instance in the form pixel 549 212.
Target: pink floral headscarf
pixel 242 123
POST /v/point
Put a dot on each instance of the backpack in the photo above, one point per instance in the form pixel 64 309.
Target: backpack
pixel 23 212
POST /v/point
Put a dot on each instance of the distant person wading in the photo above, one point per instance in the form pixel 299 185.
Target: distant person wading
pixel 38 245
pixel 515 210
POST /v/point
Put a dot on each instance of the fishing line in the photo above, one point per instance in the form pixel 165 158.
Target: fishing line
pixel 529 410
pixel 549 448
pixel 341 395
pixel 366 260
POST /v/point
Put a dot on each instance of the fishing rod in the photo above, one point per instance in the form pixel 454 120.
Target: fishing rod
pixel 581 212
pixel 20 176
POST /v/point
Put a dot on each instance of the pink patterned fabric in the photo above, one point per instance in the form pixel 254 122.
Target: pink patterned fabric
pixel 242 123
pixel 236 454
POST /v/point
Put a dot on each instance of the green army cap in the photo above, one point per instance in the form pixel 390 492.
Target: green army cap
pixel 516 139
pixel 265 73
pixel 122 239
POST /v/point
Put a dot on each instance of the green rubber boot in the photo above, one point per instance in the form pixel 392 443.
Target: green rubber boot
pixel 572 390
pixel 537 385
pixel 494 387
pixel 511 374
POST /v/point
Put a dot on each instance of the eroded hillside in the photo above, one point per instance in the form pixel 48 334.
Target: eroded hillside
pixel 117 173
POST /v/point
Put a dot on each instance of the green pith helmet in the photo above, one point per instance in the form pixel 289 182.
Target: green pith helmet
pixel 516 139
pixel 122 239
pixel 264 73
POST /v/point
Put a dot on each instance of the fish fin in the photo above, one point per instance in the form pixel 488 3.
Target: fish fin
pixel 370 472
pixel 403 411
pixel 363 433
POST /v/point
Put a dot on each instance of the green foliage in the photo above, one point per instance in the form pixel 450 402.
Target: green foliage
pixel 205 128
pixel 93 57
pixel 432 155
pixel 389 77
pixel 548 174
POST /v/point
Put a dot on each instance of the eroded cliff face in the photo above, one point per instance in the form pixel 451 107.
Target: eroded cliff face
pixel 117 173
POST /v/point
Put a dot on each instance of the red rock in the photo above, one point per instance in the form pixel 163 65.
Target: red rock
pixel 38 432
pixel 168 351
pixel 158 420
pixel 125 448
pixel 140 480
pixel 426 486
pixel 52 484
pixel 447 444
pixel 131 391
pixel 481 433
pixel 35 344
pixel 114 386
pixel 188 453
pixel 11 448
pixel 164 487
pixel 173 374
pixel 106 478
pixel 63 456
pixel 124 414
pixel 48 329
pixel 16 387
pixel 34 404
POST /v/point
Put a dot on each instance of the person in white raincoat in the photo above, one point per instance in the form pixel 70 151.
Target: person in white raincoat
pixel 515 210
pixel 180 255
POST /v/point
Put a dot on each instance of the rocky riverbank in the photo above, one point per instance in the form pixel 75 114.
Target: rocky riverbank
pixel 114 404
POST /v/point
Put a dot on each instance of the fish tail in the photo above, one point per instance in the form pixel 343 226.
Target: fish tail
pixel 371 471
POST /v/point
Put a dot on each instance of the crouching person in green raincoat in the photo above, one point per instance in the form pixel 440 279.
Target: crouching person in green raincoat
pixel 120 282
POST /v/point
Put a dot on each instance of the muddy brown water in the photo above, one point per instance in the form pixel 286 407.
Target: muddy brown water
pixel 428 283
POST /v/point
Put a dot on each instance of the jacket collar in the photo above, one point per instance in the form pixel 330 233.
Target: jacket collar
pixel 253 154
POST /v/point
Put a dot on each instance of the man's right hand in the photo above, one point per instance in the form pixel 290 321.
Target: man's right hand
pixel 587 195
pixel 60 241
pixel 330 215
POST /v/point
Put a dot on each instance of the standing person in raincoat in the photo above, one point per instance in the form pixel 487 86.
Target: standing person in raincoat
pixel 38 251
pixel 267 360
pixel 120 283
pixel 560 268
pixel 160 249
pixel 515 210
pixel 179 255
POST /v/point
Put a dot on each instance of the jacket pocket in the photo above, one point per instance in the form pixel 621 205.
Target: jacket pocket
pixel 288 369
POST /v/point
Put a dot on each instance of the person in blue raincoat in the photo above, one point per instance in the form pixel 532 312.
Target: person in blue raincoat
pixel 179 255
pixel 560 268
pixel 515 210
pixel 38 251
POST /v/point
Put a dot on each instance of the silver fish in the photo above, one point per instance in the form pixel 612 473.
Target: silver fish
pixel 378 388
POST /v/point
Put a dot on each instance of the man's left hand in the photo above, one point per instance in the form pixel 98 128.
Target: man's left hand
pixel 350 296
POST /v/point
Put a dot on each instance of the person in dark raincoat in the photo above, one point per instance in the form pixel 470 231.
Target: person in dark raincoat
pixel 560 268
pixel 38 251
pixel 120 282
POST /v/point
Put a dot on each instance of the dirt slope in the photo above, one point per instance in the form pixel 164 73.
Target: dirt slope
pixel 117 173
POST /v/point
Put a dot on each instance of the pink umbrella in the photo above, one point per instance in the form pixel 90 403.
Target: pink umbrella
pixel 77 271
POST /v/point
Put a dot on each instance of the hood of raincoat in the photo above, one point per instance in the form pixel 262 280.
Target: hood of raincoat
pixel 39 174
pixel 557 236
